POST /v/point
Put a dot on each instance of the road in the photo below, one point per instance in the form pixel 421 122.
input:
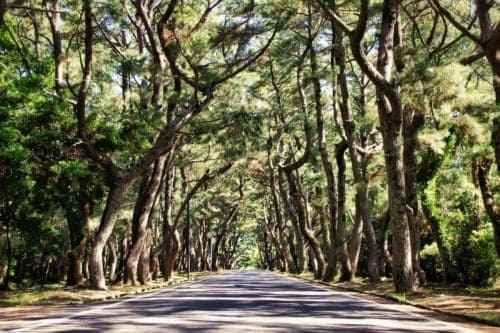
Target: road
pixel 240 301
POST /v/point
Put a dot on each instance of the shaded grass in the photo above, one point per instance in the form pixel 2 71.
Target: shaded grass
pixel 479 304
pixel 60 294
pixel 473 303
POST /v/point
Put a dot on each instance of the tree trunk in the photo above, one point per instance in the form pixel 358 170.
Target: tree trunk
pixel 491 50
pixel 331 241
pixel 6 279
pixel 413 121
pixel 401 248
pixel 3 9
pixel 115 198
pixel 172 245
pixel 219 239
pixel 391 121
pixel 169 229
pixel 57 45
pixel 338 240
pixel 283 244
pixel 360 172
pixel 299 243
pixel 495 134
pixel 143 268
pixel 78 222
pixel 307 233
pixel 268 222
pixel 390 116
pixel 482 171
pixel 113 260
pixel 142 211
pixel 75 264
pixel 385 259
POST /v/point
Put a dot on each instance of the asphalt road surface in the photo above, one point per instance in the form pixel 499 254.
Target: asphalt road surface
pixel 240 301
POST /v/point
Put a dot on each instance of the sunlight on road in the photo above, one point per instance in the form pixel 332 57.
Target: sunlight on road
pixel 246 301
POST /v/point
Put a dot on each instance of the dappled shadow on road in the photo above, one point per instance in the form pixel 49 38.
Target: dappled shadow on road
pixel 247 302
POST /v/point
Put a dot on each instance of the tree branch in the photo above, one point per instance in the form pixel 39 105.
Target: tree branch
pixel 206 177
pixel 248 62
pixel 472 58
pixel 82 96
pixel 43 10
pixel 457 24
pixel 333 16
pixel 155 50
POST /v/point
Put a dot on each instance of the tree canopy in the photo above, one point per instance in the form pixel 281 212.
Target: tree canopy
pixel 142 137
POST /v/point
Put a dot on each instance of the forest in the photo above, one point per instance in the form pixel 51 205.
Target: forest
pixel 139 138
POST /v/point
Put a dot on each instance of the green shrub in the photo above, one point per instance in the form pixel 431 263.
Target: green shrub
pixel 485 265
pixel 430 262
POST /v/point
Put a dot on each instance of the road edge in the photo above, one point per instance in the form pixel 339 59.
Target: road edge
pixel 471 319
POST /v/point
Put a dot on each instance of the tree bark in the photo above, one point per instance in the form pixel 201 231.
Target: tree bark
pixel 482 171
pixel 143 264
pixel 298 245
pixel 142 211
pixel 385 259
pixel 55 26
pixel 391 119
pixel 113 260
pixel 219 238
pixel 8 245
pixel 3 10
pixel 115 198
pixel 307 233
pixel 413 121
pixel 338 240
pixel 331 241
pixel 390 116
pixel 78 222
pixel 359 174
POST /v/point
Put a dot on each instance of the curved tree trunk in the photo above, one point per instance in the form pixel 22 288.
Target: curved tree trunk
pixel 96 269
pixel 298 245
pixel 307 233
pixel 359 174
pixel 482 171
pixel 142 211
pixel 143 267
pixel 385 259
pixel 113 260
pixel 283 244
pixel 338 240
pixel 390 116
pixel 172 245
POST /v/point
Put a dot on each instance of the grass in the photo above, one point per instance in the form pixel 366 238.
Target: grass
pixel 474 303
pixel 60 294
pixel 479 304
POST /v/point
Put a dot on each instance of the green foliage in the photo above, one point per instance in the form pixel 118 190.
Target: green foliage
pixel 485 267
pixel 44 172
pixel 248 254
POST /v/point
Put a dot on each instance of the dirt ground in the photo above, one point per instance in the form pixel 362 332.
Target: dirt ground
pixel 477 304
